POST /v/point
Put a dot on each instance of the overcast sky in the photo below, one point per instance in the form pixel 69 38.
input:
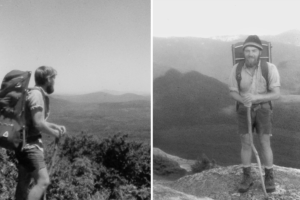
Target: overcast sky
pixel 207 18
pixel 94 45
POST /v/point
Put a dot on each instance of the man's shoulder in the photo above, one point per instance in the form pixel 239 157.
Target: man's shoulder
pixel 234 67
pixel 34 95
pixel 34 92
pixel 271 67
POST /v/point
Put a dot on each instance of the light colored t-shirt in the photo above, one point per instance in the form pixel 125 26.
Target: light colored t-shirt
pixel 256 84
pixel 37 99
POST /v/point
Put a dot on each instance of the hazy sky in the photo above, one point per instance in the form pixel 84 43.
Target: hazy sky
pixel 206 18
pixel 94 44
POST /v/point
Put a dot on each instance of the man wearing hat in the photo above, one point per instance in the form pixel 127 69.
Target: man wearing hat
pixel 255 91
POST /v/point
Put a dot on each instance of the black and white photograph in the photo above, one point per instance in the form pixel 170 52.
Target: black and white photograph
pixel 226 100
pixel 75 99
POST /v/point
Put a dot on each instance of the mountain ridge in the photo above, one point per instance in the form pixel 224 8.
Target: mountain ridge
pixel 213 57
pixel 101 97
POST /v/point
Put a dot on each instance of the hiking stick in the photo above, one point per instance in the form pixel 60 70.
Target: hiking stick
pixel 52 162
pixel 254 150
pixel 54 156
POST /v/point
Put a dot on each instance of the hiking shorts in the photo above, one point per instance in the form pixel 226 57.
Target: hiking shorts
pixel 261 118
pixel 32 159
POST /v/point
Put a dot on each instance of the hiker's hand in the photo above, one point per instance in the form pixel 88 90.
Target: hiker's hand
pixel 60 130
pixel 249 98
pixel 63 129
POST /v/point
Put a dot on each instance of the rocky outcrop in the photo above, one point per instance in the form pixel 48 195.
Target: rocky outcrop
pixel 183 163
pixel 222 183
pixel 166 193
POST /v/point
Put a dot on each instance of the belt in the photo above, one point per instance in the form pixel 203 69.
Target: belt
pixel 257 106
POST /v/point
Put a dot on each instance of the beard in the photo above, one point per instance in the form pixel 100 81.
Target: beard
pixel 50 89
pixel 251 61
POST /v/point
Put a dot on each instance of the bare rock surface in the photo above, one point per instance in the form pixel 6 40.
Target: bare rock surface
pixel 222 184
pixel 162 192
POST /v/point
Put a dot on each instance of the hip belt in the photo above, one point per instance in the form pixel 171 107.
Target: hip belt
pixel 257 106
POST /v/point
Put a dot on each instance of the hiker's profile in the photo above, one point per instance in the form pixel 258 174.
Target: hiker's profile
pixel 254 83
pixel 30 156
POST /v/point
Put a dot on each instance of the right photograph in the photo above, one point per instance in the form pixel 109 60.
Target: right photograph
pixel 226 100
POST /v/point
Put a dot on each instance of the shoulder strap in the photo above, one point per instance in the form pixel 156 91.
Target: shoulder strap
pixel 238 74
pixel 265 72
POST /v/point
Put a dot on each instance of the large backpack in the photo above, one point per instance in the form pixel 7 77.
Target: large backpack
pixel 12 109
pixel 238 58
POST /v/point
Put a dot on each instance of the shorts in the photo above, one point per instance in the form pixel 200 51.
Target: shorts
pixel 261 118
pixel 31 159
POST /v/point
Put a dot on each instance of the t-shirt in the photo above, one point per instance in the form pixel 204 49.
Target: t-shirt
pixel 37 98
pixel 255 84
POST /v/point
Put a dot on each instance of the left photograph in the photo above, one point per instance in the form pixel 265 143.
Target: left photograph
pixel 75 100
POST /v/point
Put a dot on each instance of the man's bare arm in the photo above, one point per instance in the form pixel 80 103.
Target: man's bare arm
pixel 259 98
pixel 236 96
pixel 42 125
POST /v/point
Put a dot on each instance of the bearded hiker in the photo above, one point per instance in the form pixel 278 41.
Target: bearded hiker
pixel 254 90
pixel 31 163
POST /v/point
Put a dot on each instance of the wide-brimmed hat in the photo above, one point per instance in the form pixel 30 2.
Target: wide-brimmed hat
pixel 253 40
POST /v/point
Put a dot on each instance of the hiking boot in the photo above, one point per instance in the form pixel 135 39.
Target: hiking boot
pixel 247 181
pixel 269 180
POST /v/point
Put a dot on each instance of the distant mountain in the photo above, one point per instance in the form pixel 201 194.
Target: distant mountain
pixel 289 37
pixel 101 97
pixel 214 58
pixel 207 56
pixel 188 99
pixel 159 70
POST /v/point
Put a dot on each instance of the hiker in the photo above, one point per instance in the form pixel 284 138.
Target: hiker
pixel 31 163
pixel 256 92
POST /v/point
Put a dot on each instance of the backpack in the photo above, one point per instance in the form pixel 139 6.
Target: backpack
pixel 238 57
pixel 12 109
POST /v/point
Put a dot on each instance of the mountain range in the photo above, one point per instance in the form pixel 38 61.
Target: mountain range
pixel 112 114
pixel 213 57
pixel 101 97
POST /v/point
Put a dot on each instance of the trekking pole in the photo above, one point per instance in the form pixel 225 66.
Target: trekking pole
pixel 255 151
pixel 54 156
pixel 52 161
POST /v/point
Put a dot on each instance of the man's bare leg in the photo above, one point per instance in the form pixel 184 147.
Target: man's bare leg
pixel 42 181
pixel 246 151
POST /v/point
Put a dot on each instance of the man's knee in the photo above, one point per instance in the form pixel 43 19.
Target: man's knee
pixel 265 141
pixel 43 179
pixel 245 141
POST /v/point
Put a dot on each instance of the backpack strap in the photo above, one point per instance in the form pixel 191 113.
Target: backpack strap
pixel 265 73
pixel 238 77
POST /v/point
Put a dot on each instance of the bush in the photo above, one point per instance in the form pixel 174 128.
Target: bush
pixel 162 165
pixel 89 165
pixel 89 168
pixel 203 164
pixel 8 175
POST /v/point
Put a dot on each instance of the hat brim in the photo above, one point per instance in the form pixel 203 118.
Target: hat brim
pixel 252 44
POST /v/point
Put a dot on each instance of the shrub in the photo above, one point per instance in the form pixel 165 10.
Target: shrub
pixel 203 164
pixel 89 168
pixel 162 165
